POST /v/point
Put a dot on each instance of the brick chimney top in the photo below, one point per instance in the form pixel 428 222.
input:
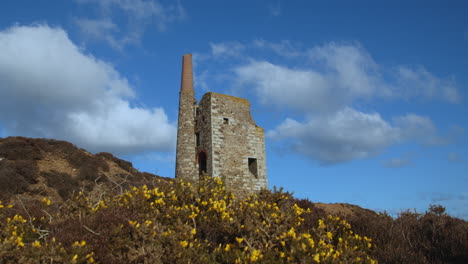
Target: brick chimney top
pixel 187 73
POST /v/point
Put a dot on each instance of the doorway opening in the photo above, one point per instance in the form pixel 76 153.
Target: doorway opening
pixel 201 163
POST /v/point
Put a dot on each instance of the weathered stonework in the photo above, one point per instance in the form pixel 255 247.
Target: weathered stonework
pixel 219 137
pixel 185 166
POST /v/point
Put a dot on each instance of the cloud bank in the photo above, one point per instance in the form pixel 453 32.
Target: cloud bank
pixel 51 88
pixel 339 75
pixel 333 80
pixel 342 136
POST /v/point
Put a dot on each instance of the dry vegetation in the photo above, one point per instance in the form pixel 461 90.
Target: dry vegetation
pixel 176 222
pixel 56 169
pixel 110 213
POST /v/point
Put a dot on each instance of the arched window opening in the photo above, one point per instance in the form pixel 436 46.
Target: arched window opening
pixel 253 167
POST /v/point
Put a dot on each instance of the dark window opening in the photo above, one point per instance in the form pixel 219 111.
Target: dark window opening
pixel 197 111
pixel 253 167
pixel 201 163
pixel 225 120
pixel 197 136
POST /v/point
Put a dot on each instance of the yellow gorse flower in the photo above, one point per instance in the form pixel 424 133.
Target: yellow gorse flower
pixel 317 258
pixel 36 244
pixel 256 255
pixel 46 201
pixel 183 243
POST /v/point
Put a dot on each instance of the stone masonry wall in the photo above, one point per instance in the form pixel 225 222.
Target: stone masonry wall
pixel 221 134
pixel 185 157
pixel 234 139
pixel 203 128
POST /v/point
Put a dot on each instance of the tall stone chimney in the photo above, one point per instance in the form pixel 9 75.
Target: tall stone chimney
pixel 185 153
pixel 186 83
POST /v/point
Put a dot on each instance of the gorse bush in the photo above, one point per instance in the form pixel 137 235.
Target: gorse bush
pixel 177 222
pixel 170 221
pixel 432 237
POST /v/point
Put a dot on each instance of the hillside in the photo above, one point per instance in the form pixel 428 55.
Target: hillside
pixel 35 168
pixel 62 204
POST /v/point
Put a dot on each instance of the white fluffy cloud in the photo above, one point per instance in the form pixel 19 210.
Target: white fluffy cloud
pixel 337 76
pixel 51 88
pixel 423 130
pixel 414 82
pixel 342 136
pixel 296 88
pixel 349 68
pixel 349 134
pixel 334 78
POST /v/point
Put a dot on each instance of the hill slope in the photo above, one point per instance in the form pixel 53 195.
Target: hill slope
pixel 61 204
pixel 33 168
pixel 36 168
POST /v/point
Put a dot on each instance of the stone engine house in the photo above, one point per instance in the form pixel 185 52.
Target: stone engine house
pixel 218 137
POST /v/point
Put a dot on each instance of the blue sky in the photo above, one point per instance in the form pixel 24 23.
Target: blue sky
pixel 363 102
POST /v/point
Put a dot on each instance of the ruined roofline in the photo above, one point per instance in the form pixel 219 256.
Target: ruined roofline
pixel 186 83
pixel 243 101
pixel 234 98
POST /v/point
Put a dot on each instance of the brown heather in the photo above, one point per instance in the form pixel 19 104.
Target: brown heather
pixel 51 212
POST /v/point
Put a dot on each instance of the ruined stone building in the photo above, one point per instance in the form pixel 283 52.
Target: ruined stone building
pixel 218 137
